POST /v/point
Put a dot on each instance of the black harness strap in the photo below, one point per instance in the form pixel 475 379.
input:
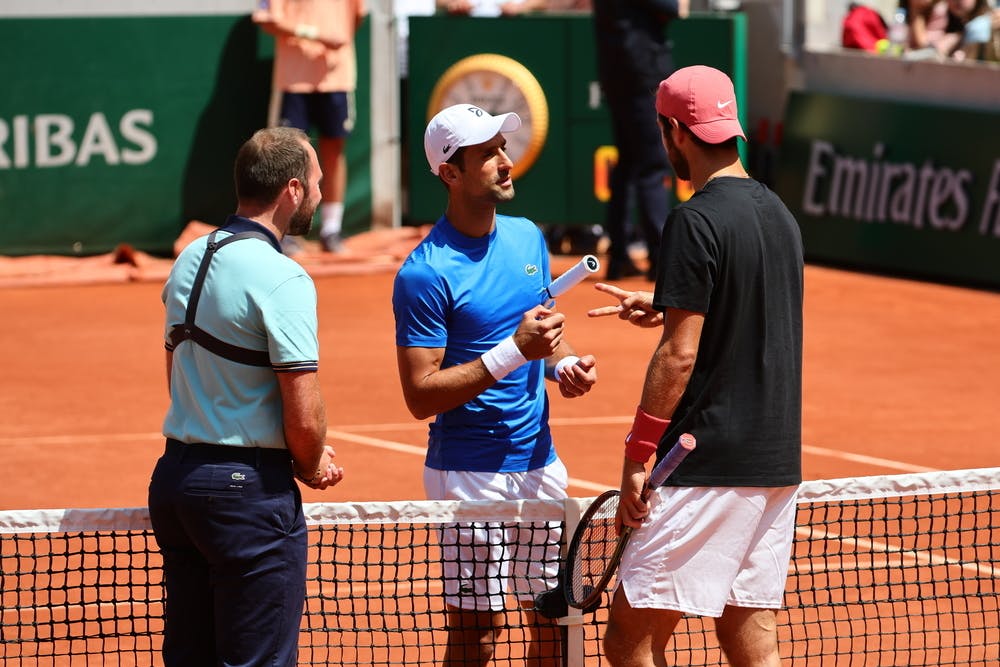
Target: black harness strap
pixel 190 331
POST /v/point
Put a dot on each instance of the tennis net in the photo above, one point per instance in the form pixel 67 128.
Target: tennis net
pixel 893 570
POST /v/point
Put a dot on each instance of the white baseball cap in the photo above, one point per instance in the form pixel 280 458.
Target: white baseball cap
pixel 462 125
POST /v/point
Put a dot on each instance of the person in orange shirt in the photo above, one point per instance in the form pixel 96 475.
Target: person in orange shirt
pixel 315 69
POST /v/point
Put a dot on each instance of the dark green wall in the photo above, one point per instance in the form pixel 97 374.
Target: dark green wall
pixel 196 87
pixel 560 187
pixel 894 187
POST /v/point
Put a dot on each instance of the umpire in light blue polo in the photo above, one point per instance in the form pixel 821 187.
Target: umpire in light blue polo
pixel 246 416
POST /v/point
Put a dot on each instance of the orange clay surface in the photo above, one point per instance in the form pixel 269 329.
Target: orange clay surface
pixel 899 376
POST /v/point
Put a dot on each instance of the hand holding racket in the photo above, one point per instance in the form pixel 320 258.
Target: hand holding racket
pixel 573 382
pixel 597 545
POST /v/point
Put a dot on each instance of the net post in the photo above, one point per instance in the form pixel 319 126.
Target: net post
pixel 574 620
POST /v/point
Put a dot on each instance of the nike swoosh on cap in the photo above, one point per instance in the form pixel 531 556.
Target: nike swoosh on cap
pixel 723 105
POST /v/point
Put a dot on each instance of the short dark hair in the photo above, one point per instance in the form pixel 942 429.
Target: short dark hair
pixel 267 161
pixel 728 143
pixel 456 158
pixel 456 161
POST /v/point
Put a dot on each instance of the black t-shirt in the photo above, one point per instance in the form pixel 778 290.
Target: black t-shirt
pixel 734 252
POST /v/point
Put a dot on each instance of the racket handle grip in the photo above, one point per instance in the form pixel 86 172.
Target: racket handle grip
pixel 589 264
pixel 684 446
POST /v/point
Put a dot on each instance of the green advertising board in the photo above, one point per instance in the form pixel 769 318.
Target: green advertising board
pixel 893 187
pixel 566 179
pixel 436 43
pixel 123 129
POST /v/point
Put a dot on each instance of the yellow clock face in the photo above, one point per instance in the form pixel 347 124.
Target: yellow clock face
pixel 498 84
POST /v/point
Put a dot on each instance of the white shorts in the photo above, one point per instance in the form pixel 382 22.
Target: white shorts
pixel 484 561
pixel 703 548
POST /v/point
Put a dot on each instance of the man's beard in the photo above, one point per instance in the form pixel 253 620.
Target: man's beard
pixel 501 195
pixel 682 169
pixel 302 220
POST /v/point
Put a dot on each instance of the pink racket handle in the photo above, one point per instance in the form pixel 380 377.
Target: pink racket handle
pixel 684 446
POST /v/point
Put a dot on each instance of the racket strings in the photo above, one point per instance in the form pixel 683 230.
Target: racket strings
pixel 595 550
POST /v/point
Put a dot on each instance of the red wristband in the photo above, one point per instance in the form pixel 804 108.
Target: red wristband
pixel 644 438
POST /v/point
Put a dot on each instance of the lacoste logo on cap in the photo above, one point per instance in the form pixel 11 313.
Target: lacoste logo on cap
pixel 723 105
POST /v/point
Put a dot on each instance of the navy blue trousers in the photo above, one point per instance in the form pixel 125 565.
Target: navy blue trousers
pixel 229 524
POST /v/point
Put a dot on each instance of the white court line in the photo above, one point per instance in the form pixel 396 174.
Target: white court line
pixel 869 460
pixel 422 451
pixel 344 433
pixel 76 439
pixel 346 436
pixel 553 421
pixel 878 546
pixel 599 421
pixel 376 442
pixel 874 546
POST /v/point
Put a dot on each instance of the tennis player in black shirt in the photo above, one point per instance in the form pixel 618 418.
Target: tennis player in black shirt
pixel 716 539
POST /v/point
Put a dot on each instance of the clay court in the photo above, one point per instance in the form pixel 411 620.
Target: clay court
pixel 900 376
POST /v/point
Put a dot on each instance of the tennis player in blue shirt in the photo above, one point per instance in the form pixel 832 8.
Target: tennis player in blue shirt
pixel 474 348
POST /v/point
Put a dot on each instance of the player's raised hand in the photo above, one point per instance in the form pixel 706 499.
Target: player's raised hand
pixel 634 307
pixel 539 333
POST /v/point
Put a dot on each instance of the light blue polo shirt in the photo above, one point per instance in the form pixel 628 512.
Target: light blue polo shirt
pixel 466 295
pixel 253 297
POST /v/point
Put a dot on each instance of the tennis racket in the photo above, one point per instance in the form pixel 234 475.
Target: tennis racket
pixel 597 547
pixel 586 266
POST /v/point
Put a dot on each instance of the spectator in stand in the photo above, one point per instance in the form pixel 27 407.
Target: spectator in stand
pixel 862 28
pixel 489 7
pixel 973 31
pixel 927 20
pixel 508 7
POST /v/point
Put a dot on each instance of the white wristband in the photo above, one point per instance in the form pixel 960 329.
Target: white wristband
pixel 568 360
pixel 503 358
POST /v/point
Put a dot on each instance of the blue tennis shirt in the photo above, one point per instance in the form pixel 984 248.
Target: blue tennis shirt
pixel 465 295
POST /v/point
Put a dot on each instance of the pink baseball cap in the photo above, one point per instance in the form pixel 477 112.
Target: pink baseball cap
pixel 463 125
pixel 703 99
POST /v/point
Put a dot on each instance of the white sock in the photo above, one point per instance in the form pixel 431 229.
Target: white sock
pixel 332 214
